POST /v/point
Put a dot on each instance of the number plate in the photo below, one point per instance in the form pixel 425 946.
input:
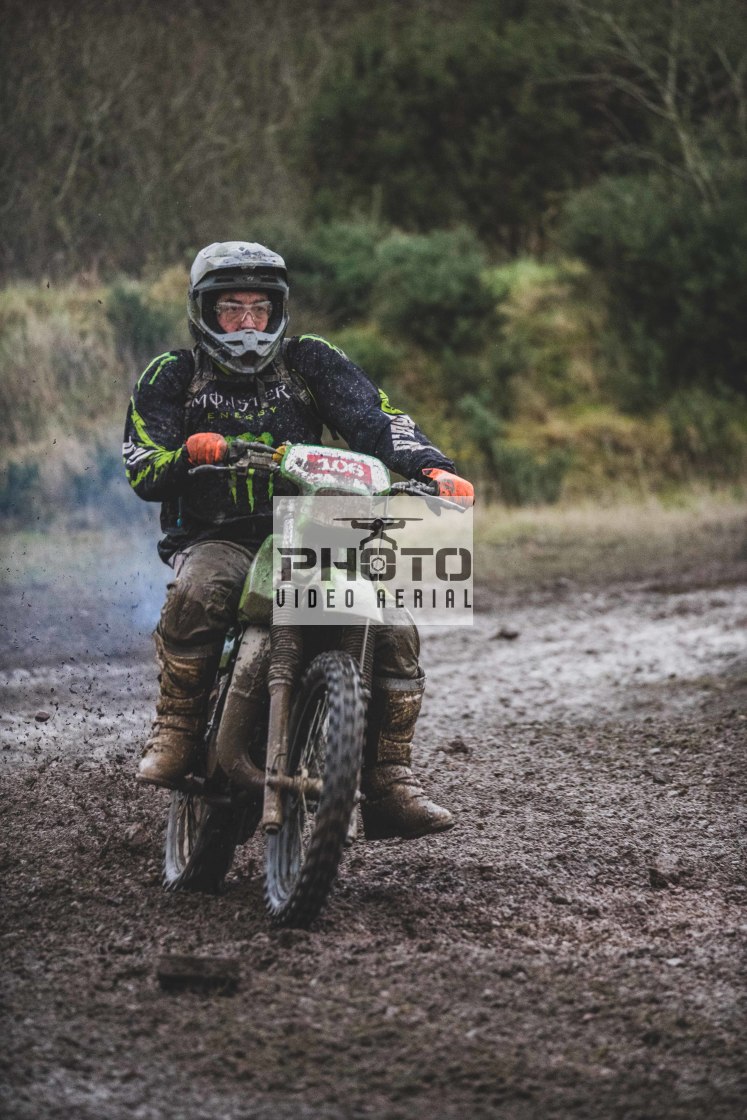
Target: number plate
pixel 319 468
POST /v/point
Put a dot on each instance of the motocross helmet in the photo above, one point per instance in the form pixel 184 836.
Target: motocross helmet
pixel 232 266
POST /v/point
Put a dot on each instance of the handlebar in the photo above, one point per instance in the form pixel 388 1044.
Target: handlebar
pixel 428 491
pixel 243 457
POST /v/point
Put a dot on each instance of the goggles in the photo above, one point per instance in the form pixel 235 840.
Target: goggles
pixel 237 313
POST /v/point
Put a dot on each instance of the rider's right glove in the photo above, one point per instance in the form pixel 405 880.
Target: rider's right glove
pixel 452 486
pixel 206 447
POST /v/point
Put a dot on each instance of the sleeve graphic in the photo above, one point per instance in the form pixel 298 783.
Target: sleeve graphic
pixel 153 450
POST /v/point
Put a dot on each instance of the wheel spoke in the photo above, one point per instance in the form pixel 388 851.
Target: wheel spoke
pixel 312 757
pixel 325 742
pixel 199 850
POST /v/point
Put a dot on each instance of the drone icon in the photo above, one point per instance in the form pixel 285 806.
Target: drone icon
pixel 377 526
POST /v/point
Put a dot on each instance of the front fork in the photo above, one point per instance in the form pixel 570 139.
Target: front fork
pixel 266 662
pixel 360 643
pixel 282 664
pixel 286 648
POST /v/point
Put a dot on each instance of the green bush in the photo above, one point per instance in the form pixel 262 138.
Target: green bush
pixel 102 473
pixel 378 356
pixel 524 479
pixel 481 418
pixel 709 433
pixel 429 289
pixel 675 272
pixel 331 267
pixel 428 122
pixel 517 475
pixel 77 480
pixel 18 487
pixel 58 362
pixel 143 327
pixel 545 330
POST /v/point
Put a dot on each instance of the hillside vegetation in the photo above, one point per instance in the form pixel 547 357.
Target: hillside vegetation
pixel 525 219
pixel 523 407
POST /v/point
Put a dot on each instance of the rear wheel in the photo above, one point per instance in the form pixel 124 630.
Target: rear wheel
pixel 200 842
pixel 201 837
pixel 325 742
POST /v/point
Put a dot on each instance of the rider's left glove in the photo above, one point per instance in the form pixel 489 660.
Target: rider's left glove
pixel 451 486
pixel 206 448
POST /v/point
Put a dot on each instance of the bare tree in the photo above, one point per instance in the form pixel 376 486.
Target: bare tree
pixel 683 63
pixel 131 133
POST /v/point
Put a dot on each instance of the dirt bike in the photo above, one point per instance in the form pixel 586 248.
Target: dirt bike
pixel 286 728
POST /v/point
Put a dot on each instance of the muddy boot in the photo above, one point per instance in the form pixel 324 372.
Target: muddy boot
pixel 181 707
pixel 395 803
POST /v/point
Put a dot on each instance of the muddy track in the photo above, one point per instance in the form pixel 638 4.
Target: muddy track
pixel 574 947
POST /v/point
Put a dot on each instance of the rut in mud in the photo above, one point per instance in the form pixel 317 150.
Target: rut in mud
pixel 573 947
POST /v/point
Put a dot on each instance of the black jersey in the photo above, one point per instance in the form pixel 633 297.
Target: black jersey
pixel 312 383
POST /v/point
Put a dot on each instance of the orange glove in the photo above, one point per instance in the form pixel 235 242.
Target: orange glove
pixel 206 447
pixel 451 486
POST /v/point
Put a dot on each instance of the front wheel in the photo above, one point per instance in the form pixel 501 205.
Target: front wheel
pixel 325 741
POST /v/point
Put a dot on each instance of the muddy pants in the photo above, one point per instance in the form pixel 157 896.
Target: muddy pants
pixel 203 598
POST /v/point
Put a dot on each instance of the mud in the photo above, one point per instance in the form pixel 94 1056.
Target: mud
pixel 574 947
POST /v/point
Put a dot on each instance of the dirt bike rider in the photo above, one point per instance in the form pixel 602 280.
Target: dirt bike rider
pixel 245 380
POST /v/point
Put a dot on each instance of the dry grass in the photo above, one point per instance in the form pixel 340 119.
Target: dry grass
pixel 71 354
pixel 514 548
pixel 61 371
pixel 628 541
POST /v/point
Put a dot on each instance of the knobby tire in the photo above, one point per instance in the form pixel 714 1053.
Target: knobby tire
pixel 201 838
pixel 326 732
pixel 200 843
